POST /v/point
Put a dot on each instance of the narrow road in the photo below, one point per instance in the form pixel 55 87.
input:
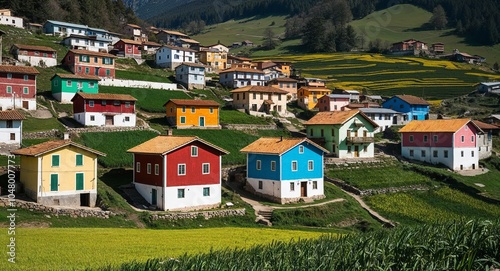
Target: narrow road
pixel 374 214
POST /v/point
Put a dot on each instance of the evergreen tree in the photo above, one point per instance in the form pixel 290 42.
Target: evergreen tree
pixel 314 35
pixel 438 19
pixel 495 66
pixel 269 39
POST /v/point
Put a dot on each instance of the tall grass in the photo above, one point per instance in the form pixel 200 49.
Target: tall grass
pixel 472 245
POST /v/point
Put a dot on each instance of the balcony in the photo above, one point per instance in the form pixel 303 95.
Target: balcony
pixel 361 139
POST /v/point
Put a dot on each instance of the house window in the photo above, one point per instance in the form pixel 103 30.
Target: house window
pixel 435 138
pixel 273 165
pixel 9 75
pixel 184 109
pixel 311 132
pixel 148 168
pixel 138 167
pixel 333 132
pixel 365 148
pixel 55 160
pixel 206 191
pixel 127 119
pixel 183 119
pixel 205 168
pixel 472 139
pixel 91 84
pixel 157 169
pixel 411 153
pixel 25 77
pixel 411 138
pixel 294 165
pixel 462 153
pixel 9 124
pixel 69 83
pixel 79 160
pixel 260 184
pixel 254 96
pixel 348 149
pixel 315 184
pixel 9 89
pixel 472 153
pixel 193 109
pixel 116 103
pixel 292 186
pixel 310 165
pixel 54 182
pixel 12 136
pixel 25 90
pixel 91 103
pixel 79 85
pixel 79 181
pixel 103 102
pixel 92 118
pixel 435 154
pixel 463 138
pixel 425 138
pixel 322 133
pixel 445 154
pixel 301 149
pixel 181 169
pixel 422 153
pixel 194 151
pixel 180 193
pixel 258 164
pixel 211 110
pixel 95 59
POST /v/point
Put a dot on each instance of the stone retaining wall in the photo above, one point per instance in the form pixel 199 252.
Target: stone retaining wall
pixel 44 134
pixel 242 127
pixel 204 214
pixel 369 192
pixel 137 84
pixel 33 206
pixel 106 129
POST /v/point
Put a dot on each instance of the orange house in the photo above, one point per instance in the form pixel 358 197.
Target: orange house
pixel 185 114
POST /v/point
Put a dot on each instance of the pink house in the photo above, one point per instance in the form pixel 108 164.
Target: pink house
pixel 129 48
pixel 452 142
pixel 333 102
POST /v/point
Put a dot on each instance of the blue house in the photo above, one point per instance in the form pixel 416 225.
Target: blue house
pixel 285 170
pixel 65 29
pixel 411 107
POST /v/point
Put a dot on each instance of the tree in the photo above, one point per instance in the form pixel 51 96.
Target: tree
pixel 438 19
pixel 269 40
pixel 495 66
pixel 314 35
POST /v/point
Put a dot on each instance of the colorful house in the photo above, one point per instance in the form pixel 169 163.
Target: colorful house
pixel 214 57
pixel 285 170
pixel 65 29
pixel 129 48
pixel 172 56
pixel 450 142
pixel 308 96
pixel 191 75
pixel 240 77
pixel 346 134
pixel 412 107
pixel 238 61
pixel 134 32
pixel 333 102
pixel 41 56
pixel 104 109
pixel 59 172
pixel 18 87
pixel 178 173
pixel 254 99
pixel 89 43
pixel 90 63
pixel 64 86
pixel 183 113
pixel 485 140
pixel 170 36
pixel 383 117
pixel 6 18
pixel 287 84
pixel 11 127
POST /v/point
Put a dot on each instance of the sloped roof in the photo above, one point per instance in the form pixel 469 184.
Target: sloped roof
pixel 91 53
pixel 18 69
pixel 410 99
pixel 191 65
pixel 311 88
pixel 337 117
pixel 239 69
pixel 188 102
pixel 485 126
pixel 284 79
pixel 75 76
pixel 172 32
pixel 263 89
pixel 178 48
pixel 34 48
pixel 42 148
pixel 378 110
pixel 105 96
pixel 129 41
pixel 440 125
pixel 133 25
pixel 189 40
pixel 277 145
pixel 11 115
pixel 164 144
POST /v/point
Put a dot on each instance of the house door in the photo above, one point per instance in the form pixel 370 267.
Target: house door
pixel 356 151
pixel 85 199
pixel 109 120
pixel 202 121
pixel 25 104
pixel 154 197
pixel 303 189
pixel 395 120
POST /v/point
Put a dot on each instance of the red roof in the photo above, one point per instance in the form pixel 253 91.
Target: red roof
pixel 18 69
pixel 34 48
pixel 91 53
pixel 11 115
pixel 105 96
pixel 188 102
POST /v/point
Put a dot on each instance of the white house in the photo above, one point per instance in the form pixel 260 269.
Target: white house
pixel 41 56
pixel 11 127
pixel 191 75
pixel 92 43
pixel 170 57
pixel 383 117
pixel 6 18
pixel 254 99
pixel 239 77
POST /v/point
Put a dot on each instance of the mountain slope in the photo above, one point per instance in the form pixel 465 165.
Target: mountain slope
pixel 146 9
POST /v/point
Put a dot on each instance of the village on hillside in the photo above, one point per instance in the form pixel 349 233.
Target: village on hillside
pixel 183 173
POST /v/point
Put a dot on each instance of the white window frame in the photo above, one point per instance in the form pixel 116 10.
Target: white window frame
pixel 181 169
pixel 258 164
pixel 148 168
pixel 310 165
pixel 273 165
pixel 295 165
pixel 301 149
pixel 138 167
pixel 207 165
pixel 194 151
pixel 157 169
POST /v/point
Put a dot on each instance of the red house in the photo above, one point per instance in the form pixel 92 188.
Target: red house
pixel 129 48
pixel 17 87
pixel 104 109
pixel 42 56
pixel 90 63
pixel 450 142
pixel 178 172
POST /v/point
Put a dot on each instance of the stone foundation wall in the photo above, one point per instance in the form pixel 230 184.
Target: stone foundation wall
pixel 33 206
pixel 242 127
pixel 105 129
pixel 66 200
pixel 369 192
pixel 204 214
pixel 44 134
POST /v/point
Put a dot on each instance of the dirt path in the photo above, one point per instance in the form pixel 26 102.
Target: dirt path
pixel 374 214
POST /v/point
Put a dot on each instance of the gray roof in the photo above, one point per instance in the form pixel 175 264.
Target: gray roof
pixel 352 91
pixel 495 116
pixel 490 83
pixel 378 110
pixel 374 97
pixel 346 96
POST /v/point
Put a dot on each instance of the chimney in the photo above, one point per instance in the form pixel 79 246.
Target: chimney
pixel 169 132
pixel 66 136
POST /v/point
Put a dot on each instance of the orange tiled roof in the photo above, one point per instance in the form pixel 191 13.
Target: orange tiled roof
pixel 75 76
pixel 164 144
pixel 263 89
pixel 311 88
pixel 129 41
pixel 276 145
pixel 337 117
pixel 106 96
pixel 91 53
pixel 441 125
pixel 11 115
pixel 133 25
pixel 193 102
pixel 42 148
pixel 172 32
pixel 18 69
pixel 34 48
pixel 239 69
pixel 412 99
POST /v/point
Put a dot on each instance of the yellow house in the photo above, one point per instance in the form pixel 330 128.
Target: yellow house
pixel 193 113
pixel 307 97
pixel 213 57
pixel 60 172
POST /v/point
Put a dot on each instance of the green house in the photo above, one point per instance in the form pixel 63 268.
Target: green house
pixel 346 134
pixel 64 86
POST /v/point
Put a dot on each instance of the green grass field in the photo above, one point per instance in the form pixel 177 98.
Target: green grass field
pixel 237 117
pixel 150 100
pixel 31 124
pixel 70 249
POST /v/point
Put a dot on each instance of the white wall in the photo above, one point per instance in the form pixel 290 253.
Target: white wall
pixel 193 197
pixel 8 103
pixel 35 60
pixel 12 21
pixel 64 97
pixel 453 161
pixel 281 189
pixel 136 84
pixel 146 190
pixel 5 132
pixel 100 119
pixel 467 161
